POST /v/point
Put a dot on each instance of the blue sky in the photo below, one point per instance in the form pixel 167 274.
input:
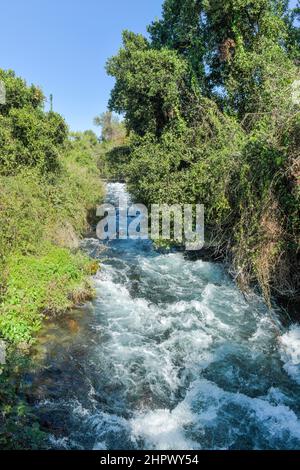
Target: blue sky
pixel 62 45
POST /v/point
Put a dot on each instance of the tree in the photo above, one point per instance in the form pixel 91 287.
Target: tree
pixel 293 22
pixel 237 49
pixel 18 94
pixel 29 137
pixel 246 53
pixel 112 129
pixel 149 85
pixel 182 28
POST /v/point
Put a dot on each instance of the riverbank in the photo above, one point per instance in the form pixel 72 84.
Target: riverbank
pixel 49 188
pixel 40 289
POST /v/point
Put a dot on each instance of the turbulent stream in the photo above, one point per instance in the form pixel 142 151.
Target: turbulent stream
pixel 170 355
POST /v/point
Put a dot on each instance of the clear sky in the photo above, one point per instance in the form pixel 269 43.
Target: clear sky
pixel 62 46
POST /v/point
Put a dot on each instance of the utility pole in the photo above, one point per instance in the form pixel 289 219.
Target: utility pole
pixel 51 103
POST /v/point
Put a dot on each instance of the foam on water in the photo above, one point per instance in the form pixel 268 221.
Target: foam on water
pixel 217 419
pixel 290 352
pixel 164 429
pixel 172 356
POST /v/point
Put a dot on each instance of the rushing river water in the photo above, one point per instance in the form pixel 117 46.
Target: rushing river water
pixel 170 355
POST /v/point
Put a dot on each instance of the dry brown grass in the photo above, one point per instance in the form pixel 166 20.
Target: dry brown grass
pixel 269 256
pixel 64 235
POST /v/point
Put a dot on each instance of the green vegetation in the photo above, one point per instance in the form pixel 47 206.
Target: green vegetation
pixel 113 151
pixel 210 116
pixel 49 186
pixel 112 130
pixel 47 284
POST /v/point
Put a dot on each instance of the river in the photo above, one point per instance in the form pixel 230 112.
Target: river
pixel 170 355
